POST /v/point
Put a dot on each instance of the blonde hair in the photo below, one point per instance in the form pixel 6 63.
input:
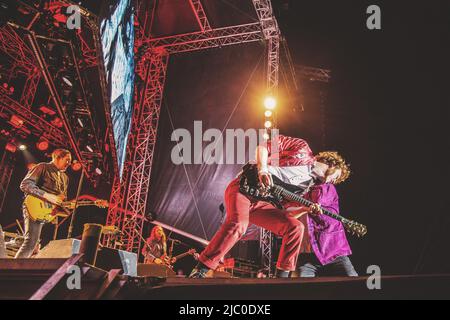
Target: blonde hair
pixel 163 240
pixel 333 159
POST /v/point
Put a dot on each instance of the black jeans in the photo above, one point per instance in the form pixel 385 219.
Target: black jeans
pixel 2 244
pixel 311 267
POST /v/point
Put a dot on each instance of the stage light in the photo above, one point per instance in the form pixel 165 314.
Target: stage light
pixel 11 147
pixel 42 144
pixel 22 147
pixel 98 171
pixel 47 110
pixel 270 103
pixel 268 113
pixel 89 148
pixel 266 136
pixel 76 166
pixel 16 121
pixel 67 81
pixel 57 122
pixel 80 122
pixel 268 124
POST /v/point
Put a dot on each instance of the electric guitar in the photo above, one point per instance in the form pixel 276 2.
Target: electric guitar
pixel 43 211
pixel 250 186
pixel 168 261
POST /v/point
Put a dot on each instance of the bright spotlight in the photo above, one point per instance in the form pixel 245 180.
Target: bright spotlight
pixel 42 145
pixel 268 124
pixel 268 113
pixel 22 147
pixel 270 103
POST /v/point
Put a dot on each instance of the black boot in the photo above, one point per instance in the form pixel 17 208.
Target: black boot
pixel 282 273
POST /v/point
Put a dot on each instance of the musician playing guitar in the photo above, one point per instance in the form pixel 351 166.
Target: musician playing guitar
pixel 47 181
pixel 155 248
pixel 324 249
pixel 292 161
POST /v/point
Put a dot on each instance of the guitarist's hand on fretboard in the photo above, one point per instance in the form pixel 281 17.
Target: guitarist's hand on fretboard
pixel 315 209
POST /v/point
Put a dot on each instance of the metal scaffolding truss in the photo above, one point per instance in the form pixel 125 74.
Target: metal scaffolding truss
pixel 29 57
pixel 209 39
pixel 12 44
pixel 129 195
pixel 200 14
pixel 29 90
pixel 39 126
pixel 6 170
pixel 271 33
pixel 313 74
pixel 145 140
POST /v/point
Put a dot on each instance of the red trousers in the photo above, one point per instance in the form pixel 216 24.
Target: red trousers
pixel 241 212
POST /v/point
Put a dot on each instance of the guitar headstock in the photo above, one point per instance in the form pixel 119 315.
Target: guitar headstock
pixel 102 203
pixel 355 228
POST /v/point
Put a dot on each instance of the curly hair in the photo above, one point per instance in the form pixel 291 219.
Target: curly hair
pixel 332 158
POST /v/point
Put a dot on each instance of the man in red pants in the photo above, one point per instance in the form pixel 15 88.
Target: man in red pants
pixel 296 165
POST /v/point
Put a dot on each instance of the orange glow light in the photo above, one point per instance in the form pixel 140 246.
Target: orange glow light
pixel 270 103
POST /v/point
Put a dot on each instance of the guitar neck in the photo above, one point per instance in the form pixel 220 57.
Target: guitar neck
pixel 83 203
pixel 287 195
pixel 182 255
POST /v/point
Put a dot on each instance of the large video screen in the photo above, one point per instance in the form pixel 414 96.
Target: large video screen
pixel 117 34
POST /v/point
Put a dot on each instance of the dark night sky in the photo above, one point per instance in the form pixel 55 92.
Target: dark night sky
pixel 387 111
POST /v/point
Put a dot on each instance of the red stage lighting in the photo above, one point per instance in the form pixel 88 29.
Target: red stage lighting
pixel 42 145
pixel 16 121
pixel 11 147
pixel 47 110
pixel 57 122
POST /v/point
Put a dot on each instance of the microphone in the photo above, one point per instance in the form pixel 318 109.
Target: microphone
pixel 175 241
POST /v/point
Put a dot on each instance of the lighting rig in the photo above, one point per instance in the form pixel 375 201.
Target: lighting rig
pixel 50 83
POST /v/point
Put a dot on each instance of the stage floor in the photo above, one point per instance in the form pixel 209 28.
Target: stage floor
pixel 392 287
pixel 23 278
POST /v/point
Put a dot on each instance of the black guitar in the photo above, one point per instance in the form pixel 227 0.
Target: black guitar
pixel 250 186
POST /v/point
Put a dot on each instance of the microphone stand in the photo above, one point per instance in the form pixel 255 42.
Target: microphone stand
pixel 72 218
pixel 171 248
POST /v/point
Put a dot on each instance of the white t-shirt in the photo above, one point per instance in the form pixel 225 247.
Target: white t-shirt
pixel 298 175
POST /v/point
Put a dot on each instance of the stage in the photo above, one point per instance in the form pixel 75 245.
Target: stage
pixel 48 279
